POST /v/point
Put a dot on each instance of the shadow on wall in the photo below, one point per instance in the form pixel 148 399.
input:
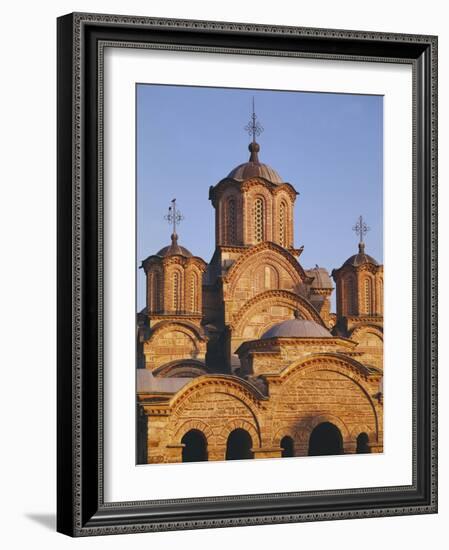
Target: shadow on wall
pixel 46 520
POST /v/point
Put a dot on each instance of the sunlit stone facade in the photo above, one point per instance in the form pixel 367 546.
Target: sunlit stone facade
pixel 242 357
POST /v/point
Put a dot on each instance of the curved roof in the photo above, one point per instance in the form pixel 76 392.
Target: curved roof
pixel 254 168
pixel 321 278
pixel 174 249
pixel 297 328
pixel 360 258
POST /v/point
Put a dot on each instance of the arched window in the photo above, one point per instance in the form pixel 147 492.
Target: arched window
pixel 283 224
pixel 287 447
pixel 368 296
pixel 259 279
pixel 156 292
pixel 325 439
pixel 271 278
pixel 195 446
pixel 230 221
pixel 193 292
pixel 349 296
pixel 258 220
pixel 150 296
pixel 239 445
pixel 265 278
pixel 176 291
pixel 380 307
pixel 362 443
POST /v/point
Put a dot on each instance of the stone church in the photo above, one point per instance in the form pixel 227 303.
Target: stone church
pixel 241 357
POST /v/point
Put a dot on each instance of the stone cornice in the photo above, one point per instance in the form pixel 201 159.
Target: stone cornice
pixel 215 192
pixel 244 247
pixel 370 267
pixel 321 291
pixel 175 259
pixel 263 345
pixel 360 320
pixel 179 316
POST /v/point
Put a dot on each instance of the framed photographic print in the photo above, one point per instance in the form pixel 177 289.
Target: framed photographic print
pixel 246 274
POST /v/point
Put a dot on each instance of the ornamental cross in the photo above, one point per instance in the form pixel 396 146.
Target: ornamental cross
pixel 361 228
pixel 174 216
pixel 254 127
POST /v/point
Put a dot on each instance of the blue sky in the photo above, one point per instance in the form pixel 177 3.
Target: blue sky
pixel 328 146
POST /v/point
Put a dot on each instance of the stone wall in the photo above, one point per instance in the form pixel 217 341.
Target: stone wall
pixel 304 395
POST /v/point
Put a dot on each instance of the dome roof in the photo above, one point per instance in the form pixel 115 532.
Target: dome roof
pixel 360 258
pixel 253 168
pixel 297 328
pixel 321 278
pixel 174 249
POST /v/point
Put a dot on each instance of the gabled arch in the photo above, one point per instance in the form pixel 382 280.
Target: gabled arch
pixel 185 327
pixel 220 383
pixel 184 368
pixel 373 329
pixel 277 297
pixel 330 361
pixel 281 255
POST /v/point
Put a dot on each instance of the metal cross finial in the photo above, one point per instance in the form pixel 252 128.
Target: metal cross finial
pixel 174 216
pixel 361 228
pixel 254 127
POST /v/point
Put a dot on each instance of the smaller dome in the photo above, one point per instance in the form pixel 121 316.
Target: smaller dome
pixel 297 328
pixel 321 278
pixel 360 258
pixel 174 249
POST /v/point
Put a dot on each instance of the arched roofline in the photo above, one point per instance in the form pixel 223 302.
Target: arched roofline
pixel 376 329
pixel 258 249
pixel 285 295
pixel 327 359
pixel 167 368
pixel 185 325
pixel 250 394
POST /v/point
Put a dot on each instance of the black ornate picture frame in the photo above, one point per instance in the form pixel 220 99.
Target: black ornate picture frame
pixel 81 509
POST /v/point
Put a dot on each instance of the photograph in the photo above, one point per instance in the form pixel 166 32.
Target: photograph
pixel 259 274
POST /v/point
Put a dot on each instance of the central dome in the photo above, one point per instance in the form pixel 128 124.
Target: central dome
pixel 255 169
pixel 297 328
